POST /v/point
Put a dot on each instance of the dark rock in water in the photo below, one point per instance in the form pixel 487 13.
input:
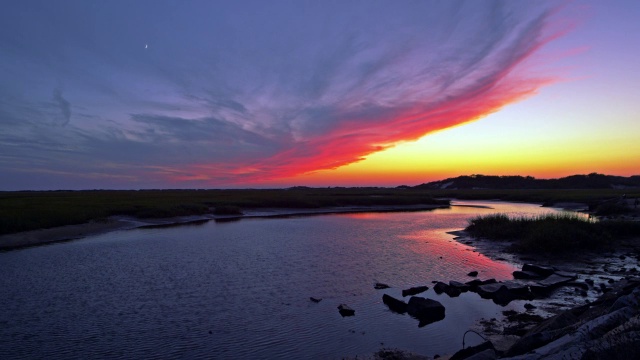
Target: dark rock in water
pixel 529 306
pixel 346 310
pixel 526 275
pixel 458 285
pixel 395 305
pixel 474 283
pixel 541 270
pixel 486 350
pixel 315 300
pixel 589 281
pixel 452 291
pixel 505 292
pixel 440 287
pixel 425 310
pixel 380 286
pixel 414 290
pixel 473 274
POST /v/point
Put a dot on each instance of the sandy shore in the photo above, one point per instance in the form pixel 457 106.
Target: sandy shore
pixel 73 232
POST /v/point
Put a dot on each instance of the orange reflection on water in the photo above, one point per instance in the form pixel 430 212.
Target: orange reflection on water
pixel 453 260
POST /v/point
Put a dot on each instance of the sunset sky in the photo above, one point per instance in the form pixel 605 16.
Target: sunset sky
pixel 217 94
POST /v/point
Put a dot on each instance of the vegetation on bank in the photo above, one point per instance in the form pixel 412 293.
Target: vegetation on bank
pixel 29 210
pixel 552 233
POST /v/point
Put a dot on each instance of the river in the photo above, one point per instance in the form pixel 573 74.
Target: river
pixel 241 289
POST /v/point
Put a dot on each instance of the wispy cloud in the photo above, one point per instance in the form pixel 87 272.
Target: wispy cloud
pixel 64 106
pixel 242 92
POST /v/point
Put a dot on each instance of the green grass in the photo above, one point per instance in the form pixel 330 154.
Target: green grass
pixel 552 233
pixel 28 210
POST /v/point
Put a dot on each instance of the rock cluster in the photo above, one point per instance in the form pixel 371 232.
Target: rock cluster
pixel 530 283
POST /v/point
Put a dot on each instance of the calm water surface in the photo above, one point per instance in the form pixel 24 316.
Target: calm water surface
pixel 241 289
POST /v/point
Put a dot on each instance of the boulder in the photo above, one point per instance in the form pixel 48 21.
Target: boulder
pixel 380 286
pixel 541 270
pixel 504 292
pixel 526 275
pixel 473 274
pixel 414 290
pixel 553 281
pixel 395 305
pixel 345 310
pixel 458 285
pixel 473 284
pixel 440 287
pixel 315 300
pixel 425 310
pixel 452 291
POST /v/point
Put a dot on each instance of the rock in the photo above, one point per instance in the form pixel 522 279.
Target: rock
pixel 526 275
pixel 504 292
pixel 550 283
pixel 315 300
pixel 486 350
pixel 529 306
pixel 589 281
pixel 346 310
pixel 425 310
pixel 460 286
pixel 414 290
pixel 473 284
pixel 473 274
pixel 541 270
pixel 380 286
pixel 440 287
pixel 453 291
pixel 395 305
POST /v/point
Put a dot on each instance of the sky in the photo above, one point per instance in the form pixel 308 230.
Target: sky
pixel 233 94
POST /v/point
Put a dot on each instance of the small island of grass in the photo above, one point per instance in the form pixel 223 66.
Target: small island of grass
pixel 553 233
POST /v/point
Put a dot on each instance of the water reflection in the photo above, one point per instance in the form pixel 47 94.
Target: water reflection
pixel 242 289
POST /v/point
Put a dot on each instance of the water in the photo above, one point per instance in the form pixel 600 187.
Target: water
pixel 241 289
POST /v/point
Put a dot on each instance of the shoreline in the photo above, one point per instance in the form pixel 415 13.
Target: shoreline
pixel 40 237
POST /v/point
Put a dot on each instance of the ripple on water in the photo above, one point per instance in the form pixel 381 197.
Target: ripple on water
pixel 241 289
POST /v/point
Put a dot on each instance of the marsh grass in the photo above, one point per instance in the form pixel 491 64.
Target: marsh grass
pixel 552 233
pixel 29 210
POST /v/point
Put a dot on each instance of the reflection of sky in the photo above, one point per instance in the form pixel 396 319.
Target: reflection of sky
pixel 200 94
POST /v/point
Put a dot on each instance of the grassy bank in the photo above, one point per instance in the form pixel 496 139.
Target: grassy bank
pixel 28 210
pixel 552 233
